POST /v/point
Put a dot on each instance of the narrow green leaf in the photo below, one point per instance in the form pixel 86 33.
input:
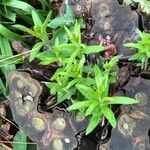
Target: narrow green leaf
pixel 87 91
pixel 91 108
pixel 9 60
pixel 71 59
pixel 109 66
pixel 56 42
pixel 77 32
pixel 93 49
pixel 79 105
pixel 21 141
pixel 25 29
pixel 36 19
pixel 137 56
pixel 19 4
pixel 95 120
pixel 48 61
pixel 131 45
pixel 46 58
pixel 107 112
pixel 67 50
pixel 81 63
pixel 68 74
pixel 45 2
pixel 9 34
pixel 46 21
pixel 72 83
pixel 63 95
pixel 98 77
pixel 119 100
pixel 69 33
pixel 35 50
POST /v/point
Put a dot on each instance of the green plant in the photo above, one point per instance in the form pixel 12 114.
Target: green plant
pixel 143 49
pixel 39 31
pixel 71 59
pixel 40 28
pixel 96 98
pixel 143 4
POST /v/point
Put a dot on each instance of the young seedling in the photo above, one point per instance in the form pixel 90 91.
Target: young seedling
pixel 96 99
pixel 143 49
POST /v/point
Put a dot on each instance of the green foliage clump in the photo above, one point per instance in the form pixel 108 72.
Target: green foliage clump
pixel 87 86
pixel 71 58
pixel 38 31
pixel 40 28
pixel 96 100
pixel 143 49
